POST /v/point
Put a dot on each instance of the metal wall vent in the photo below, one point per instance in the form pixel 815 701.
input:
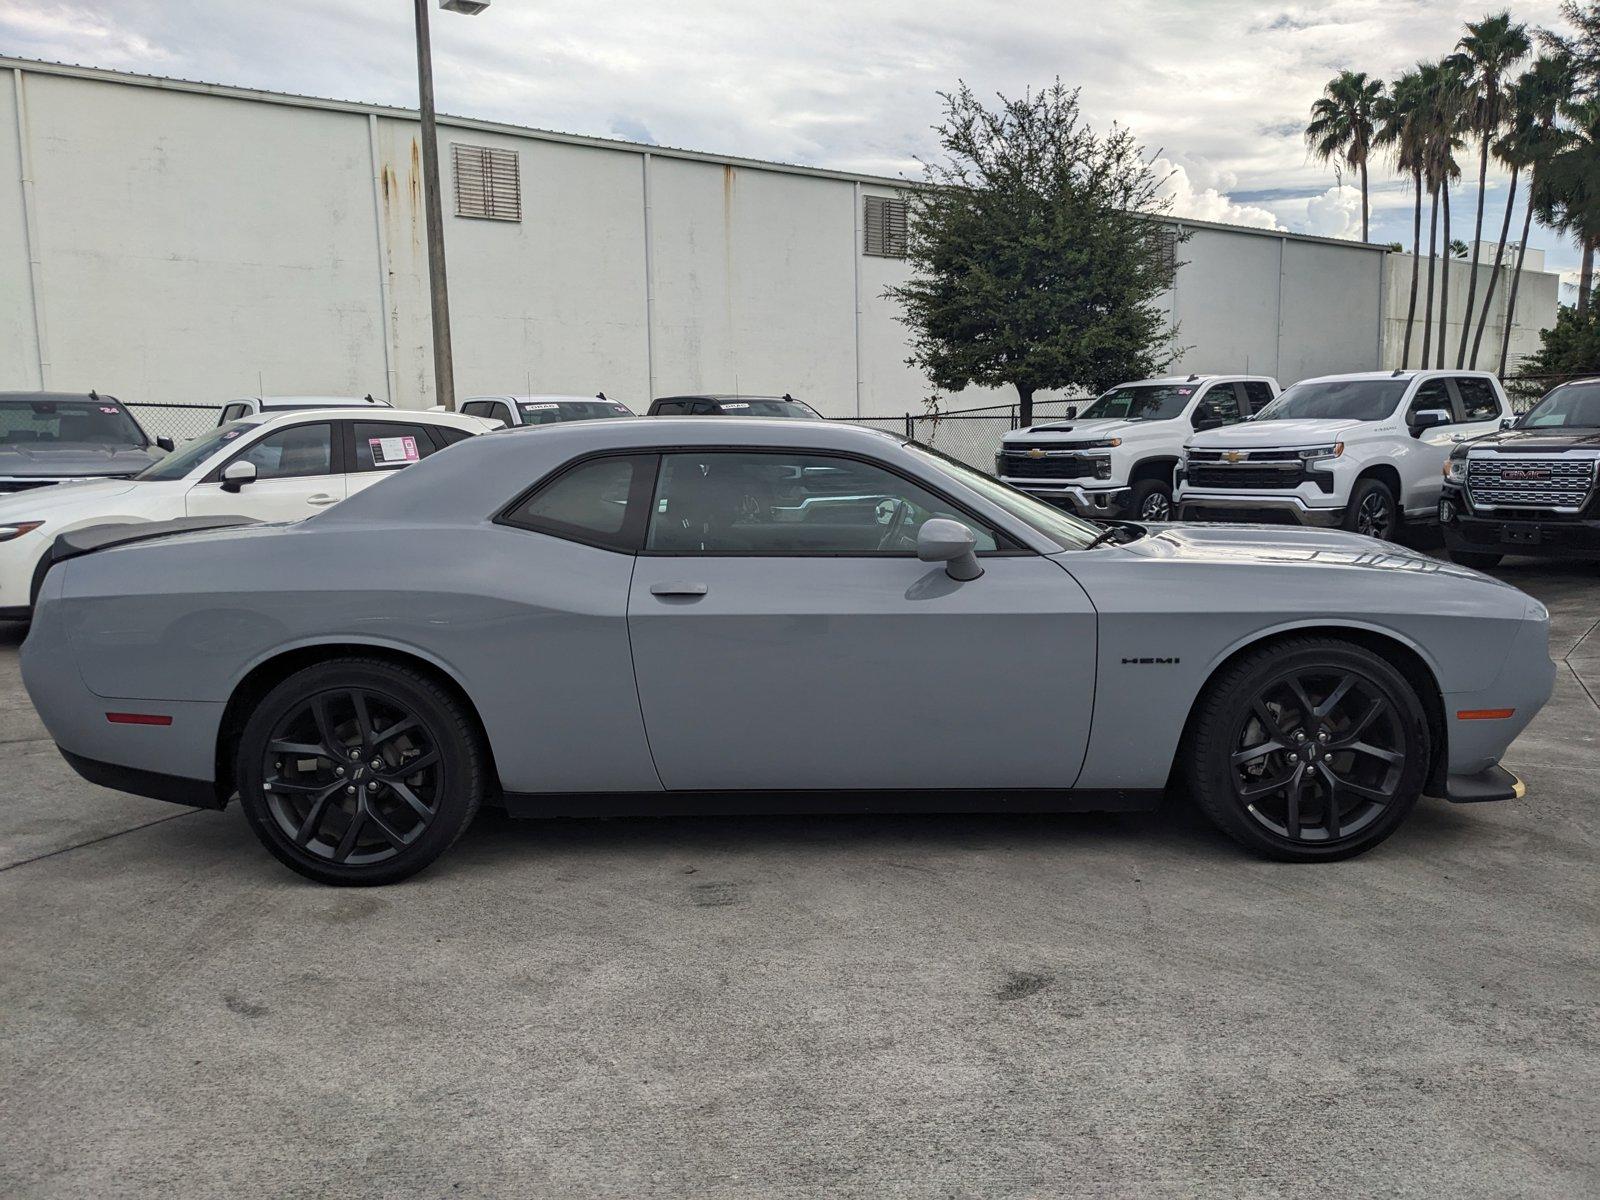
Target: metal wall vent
pixel 488 183
pixel 883 223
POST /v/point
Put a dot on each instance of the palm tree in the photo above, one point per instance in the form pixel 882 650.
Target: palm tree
pixel 1544 89
pixel 1400 131
pixel 1567 191
pixel 1342 127
pixel 1488 51
pixel 1442 116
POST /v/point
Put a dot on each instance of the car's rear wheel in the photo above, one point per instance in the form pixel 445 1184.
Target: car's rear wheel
pixel 1373 511
pixel 359 771
pixel 1309 750
pixel 1151 501
pixel 1478 562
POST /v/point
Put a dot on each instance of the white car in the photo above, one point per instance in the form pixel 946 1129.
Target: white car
pixel 1117 457
pixel 272 468
pixel 513 411
pixel 1363 451
pixel 249 406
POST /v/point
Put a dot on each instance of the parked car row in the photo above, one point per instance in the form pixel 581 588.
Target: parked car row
pixel 1366 452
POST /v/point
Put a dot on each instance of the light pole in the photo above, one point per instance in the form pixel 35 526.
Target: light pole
pixel 444 379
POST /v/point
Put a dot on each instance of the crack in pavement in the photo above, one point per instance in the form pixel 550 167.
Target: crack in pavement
pixel 96 841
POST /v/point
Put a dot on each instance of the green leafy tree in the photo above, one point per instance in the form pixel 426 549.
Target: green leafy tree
pixel 1567 189
pixel 1343 125
pixel 1038 252
pixel 1485 56
pixel 1570 347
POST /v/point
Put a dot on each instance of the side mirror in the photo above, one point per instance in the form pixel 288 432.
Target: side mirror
pixel 1205 417
pixel 1428 418
pixel 1508 422
pixel 167 444
pixel 236 474
pixel 950 542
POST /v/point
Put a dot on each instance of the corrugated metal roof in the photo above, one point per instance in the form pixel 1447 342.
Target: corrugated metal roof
pixel 295 100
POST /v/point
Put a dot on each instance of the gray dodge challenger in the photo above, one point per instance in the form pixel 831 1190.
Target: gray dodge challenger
pixel 683 615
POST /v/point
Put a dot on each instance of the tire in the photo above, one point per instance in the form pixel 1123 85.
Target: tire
pixel 1152 493
pixel 1276 802
pixel 351 816
pixel 1373 511
pixel 1478 562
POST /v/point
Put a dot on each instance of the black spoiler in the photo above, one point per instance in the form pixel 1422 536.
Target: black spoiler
pixel 90 538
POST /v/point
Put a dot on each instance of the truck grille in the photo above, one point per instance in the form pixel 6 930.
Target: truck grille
pixel 1530 482
pixel 1015 463
pixel 1253 475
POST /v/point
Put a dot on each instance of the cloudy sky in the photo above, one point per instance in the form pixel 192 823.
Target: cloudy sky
pixel 1217 89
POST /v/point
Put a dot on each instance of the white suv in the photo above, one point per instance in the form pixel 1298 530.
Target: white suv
pixel 1117 457
pixel 1362 451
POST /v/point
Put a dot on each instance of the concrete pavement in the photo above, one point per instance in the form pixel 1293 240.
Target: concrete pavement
pixel 917 1006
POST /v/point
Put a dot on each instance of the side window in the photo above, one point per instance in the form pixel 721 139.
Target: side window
pixel 292 453
pixel 1478 399
pixel 704 408
pixel 671 408
pixel 232 412
pixel 600 502
pixel 1219 401
pixel 493 409
pixel 1259 393
pixel 450 435
pixel 385 445
pixel 1432 394
pixel 781 503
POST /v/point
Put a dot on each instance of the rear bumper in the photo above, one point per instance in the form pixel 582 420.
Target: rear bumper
pixel 177 789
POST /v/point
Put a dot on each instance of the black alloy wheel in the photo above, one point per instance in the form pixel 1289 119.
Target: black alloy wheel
pixel 359 771
pixel 1316 749
pixel 1152 501
pixel 1373 511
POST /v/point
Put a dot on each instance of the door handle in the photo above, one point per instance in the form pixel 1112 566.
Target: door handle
pixel 677 589
pixel 322 498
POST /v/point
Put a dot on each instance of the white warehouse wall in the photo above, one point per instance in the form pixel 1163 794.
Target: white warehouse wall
pixel 196 242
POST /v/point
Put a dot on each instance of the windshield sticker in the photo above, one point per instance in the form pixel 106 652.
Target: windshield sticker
pixel 1185 391
pixel 725 407
pixel 538 407
pixel 393 451
pixel 619 408
pixel 107 409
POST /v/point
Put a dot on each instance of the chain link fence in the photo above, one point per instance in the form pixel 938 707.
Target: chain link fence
pixel 971 435
pixel 1524 391
pixel 180 422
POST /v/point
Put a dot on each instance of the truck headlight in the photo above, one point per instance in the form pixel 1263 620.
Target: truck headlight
pixel 1455 469
pixel 1321 455
pixel 1102 444
pixel 17 528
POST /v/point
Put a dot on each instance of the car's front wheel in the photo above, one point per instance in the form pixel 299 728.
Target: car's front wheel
pixel 1373 511
pixel 1309 750
pixel 359 771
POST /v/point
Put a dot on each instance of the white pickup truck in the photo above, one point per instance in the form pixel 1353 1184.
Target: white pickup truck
pixel 1363 451
pixel 1116 458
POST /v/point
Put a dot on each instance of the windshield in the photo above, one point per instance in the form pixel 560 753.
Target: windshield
pixel 548 412
pixel 191 454
pixel 67 422
pixel 1145 402
pixel 1345 399
pixel 1067 531
pixel 1575 406
pixel 766 408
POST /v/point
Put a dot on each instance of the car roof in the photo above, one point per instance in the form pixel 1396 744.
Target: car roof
pixel 315 401
pixel 409 416
pixel 1404 373
pixel 719 396
pixel 54 397
pixel 552 398
pixel 1199 379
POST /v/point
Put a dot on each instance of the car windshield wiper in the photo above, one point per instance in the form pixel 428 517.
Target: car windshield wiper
pixel 1110 529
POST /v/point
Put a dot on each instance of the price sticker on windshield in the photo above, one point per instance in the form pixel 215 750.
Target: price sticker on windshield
pixel 393 451
pixel 538 407
pixel 726 407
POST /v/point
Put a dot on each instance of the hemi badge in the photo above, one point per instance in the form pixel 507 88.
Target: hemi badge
pixel 1485 714
pixel 138 719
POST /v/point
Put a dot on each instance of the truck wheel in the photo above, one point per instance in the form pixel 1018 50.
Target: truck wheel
pixel 1372 511
pixel 1478 562
pixel 1152 501
pixel 1308 750
pixel 359 771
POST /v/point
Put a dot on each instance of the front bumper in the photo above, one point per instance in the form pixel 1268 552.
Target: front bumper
pixel 1087 501
pixel 1505 531
pixel 1221 505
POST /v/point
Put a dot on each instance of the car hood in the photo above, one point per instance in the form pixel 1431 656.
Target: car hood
pixel 1100 427
pixel 1255 546
pixel 1247 435
pixel 1537 441
pixel 46 460
pixel 41 502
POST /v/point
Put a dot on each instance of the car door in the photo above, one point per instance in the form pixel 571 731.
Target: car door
pixel 1219 403
pixel 1423 463
pixel 1480 410
pixel 295 477
pixel 785 636
pixel 377 449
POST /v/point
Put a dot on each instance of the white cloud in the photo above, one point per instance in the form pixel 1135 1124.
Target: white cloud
pixel 1335 213
pixel 1196 190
